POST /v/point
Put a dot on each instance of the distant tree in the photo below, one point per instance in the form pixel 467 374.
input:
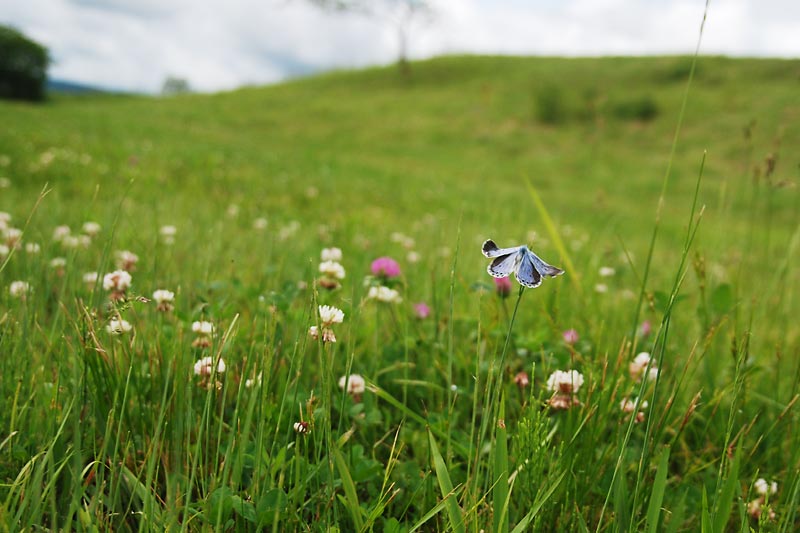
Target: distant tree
pixel 23 66
pixel 174 85
pixel 402 14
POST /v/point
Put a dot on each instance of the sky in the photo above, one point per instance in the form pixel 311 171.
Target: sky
pixel 134 45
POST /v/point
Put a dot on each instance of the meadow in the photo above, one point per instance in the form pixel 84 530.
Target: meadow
pixel 223 403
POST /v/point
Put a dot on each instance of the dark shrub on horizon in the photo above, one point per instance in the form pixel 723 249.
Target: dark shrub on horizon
pixel 23 66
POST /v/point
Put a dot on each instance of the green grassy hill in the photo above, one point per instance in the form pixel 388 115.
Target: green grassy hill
pixel 443 155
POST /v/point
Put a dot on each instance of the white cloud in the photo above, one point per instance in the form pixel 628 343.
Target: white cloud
pixel 135 44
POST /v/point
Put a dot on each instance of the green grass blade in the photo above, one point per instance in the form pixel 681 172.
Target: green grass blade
pixel 500 490
pixel 446 486
pixel 349 490
pixel 540 501
pixel 657 494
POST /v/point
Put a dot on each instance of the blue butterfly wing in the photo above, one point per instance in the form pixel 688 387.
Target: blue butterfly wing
pixel 526 272
pixel 503 265
pixel 490 249
pixel 543 268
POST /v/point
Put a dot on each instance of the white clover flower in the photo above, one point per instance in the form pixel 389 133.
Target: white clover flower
pixel 331 254
pixel 168 234
pixel 126 260
pixel 330 315
pixel 332 269
pixel 5 219
pixel 253 381
pixel 13 237
pixel 163 296
pixel 205 366
pixel 203 327
pixel 565 382
pixel 232 211
pixel 5 183
pixel 601 288
pixel 638 366
pixel 60 232
pixel 57 263
pixel 119 281
pixel 763 488
pixel 412 257
pixel 33 248
pixel 288 230
pixel 606 272
pixel 260 223
pixel 627 405
pixel 118 326
pixel 355 384
pixel 90 278
pixel 18 289
pixel 313 332
pixel 4 251
pixel 92 229
pixel 384 294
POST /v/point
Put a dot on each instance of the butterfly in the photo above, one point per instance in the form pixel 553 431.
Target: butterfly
pixel 527 267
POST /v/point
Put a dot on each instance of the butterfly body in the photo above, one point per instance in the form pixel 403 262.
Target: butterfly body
pixel 527 267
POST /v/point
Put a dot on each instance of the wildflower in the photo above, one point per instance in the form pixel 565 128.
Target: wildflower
pixel 58 264
pixel 331 254
pixel 76 241
pixel 168 234
pixel 301 427
pixel 606 272
pixel 163 299
pixel 60 232
pixel 421 310
pixel 412 257
pixel 385 267
pixel 260 223
pixel 4 251
pixel 628 405
pixel 19 289
pixel 329 315
pixel 204 331
pixel 33 248
pixel 763 488
pixel 384 294
pixel 522 379
pixel 565 385
pixel 755 508
pixel 205 366
pixel 92 229
pixel 13 237
pixel 332 272
pixel 601 288
pixel 645 328
pixel 502 286
pixel 638 366
pixel 90 278
pixel 117 282
pixel 118 326
pixel 567 382
pixel 126 260
pixel 5 183
pixel 404 240
pixel 232 211
pixel 354 384
pixel 249 382
pixel 288 230
pixel 570 336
